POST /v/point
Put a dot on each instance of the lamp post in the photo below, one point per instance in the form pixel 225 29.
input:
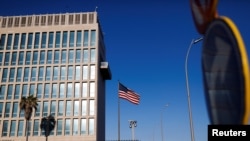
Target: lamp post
pixel 132 125
pixel 162 135
pixel 194 41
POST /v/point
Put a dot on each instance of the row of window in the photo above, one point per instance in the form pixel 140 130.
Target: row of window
pixel 56 39
pixel 48 20
pixel 48 57
pixel 66 127
pixel 48 73
pixel 55 108
pixel 54 90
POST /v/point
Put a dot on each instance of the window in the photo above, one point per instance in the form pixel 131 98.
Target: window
pixel 84 89
pixel 17 92
pixel 76 108
pixel 79 39
pixel 47 91
pixel 71 56
pixel 17 21
pixel 78 56
pixel 86 38
pixel 72 39
pixel 54 90
pixel 85 56
pixel 2 41
pixel 91 126
pixel 9 42
pixel 68 108
pixel 69 90
pixel 16 41
pixel 13 58
pixel 33 74
pixel 25 90
pixel 43 20
pixel 38 110
pixel 60 108
pixel 1 58
pixel 7 109
pixel 7 59
pixel 83 126
pixel 56 57
pixel 92 89
pixel 65 39
pixel 29 21
pixel 45 108
pixel 21 58
pixel 19 74
pixel 30 40
pixel 91 107
pixel 9 91
pixel 23 40
pixel 92 55
pixel 37 20
pixel 1 109
pixel 48 73
pixel 39 90
pixel 77 19
pixel 92 72
pixel 53 108
pixel 75 127
pixel 93 38
pixel 64 56
pixel 50 20
pixel 51 39
pixel 67 127
pixel 35 57
pixel 2 90
pixel 77 90
pixel 44 39
pixel 15 109
pixel 58 39
pixel 63 73
pixel 32 89
pixel 84 107
pixel 37 40
pixel 5 75
pixel 59 127
pixel 28 58
pixel 77 72
pixel 10 22
pixel 20 128
pixel 26 74
pixel 5 128
pixel 71 19
pixel 41 72
pixel 49 57
pixel 91 18
pixel 12 128
pixel 62 90
pixel 42 57
pixel 4 22
pixel 12 75
pixel 85 72
pixel 55 73
pixel 36 127
pixel 62 19
pixel 56 20
pixel 70 73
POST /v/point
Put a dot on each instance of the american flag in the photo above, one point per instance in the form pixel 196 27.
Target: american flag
pixel 128 94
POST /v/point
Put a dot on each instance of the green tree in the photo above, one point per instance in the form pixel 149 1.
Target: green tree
pixel 48 124
pixel 27 104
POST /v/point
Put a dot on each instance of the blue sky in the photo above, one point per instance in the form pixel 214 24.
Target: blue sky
pixel 146 43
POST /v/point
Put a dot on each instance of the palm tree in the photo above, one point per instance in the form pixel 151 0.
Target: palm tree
pixel 27 104
pixel 48 124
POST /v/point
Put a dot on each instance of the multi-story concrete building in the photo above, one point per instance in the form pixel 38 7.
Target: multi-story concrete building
pixel 60 59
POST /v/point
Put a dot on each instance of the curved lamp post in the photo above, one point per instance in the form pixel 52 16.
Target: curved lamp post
pixel 194 41
pixel 132 125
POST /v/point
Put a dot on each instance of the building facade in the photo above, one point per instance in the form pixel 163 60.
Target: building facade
pixel 60 59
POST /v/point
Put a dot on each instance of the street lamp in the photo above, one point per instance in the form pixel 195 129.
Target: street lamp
pixel 162 135
pixel 132 125
pixel 194 41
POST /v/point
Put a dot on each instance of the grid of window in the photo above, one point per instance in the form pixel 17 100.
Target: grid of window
pixel 59 68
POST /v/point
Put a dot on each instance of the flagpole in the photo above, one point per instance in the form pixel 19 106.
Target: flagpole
pixel 118 114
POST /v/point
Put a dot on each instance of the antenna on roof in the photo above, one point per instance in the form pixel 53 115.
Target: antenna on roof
pixel 96 8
